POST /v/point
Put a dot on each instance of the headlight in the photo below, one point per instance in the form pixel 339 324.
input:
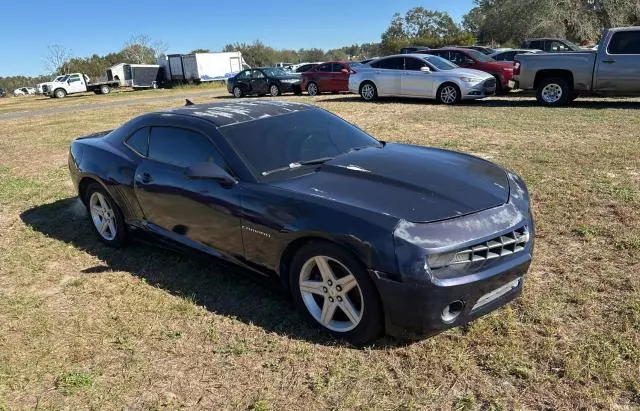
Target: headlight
pixel 470 79
pixel 291 81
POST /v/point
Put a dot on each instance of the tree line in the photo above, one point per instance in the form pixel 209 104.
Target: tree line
pixel 495 22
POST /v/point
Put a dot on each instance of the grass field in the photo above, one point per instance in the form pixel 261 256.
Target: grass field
pixel 84 326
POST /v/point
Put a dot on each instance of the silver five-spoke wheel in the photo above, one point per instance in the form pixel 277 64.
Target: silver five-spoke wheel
pixel 312 89
pixel 103 216
pixel 331 293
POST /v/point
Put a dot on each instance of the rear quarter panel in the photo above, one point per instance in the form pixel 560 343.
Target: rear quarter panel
pixel 111 166
pixel 579 64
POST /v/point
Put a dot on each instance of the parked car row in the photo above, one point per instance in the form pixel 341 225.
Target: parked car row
pixel 452 74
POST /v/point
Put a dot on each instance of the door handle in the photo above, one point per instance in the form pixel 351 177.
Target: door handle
pixel 144 178
pixel 610 61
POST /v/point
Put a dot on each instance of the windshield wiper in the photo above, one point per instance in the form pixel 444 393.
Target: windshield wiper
pixel 297 164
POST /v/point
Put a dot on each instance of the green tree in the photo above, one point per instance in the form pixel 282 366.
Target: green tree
pixel 200 51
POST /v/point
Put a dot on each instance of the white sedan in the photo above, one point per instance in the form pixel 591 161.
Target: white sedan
pixel 24 91
pixel 420 76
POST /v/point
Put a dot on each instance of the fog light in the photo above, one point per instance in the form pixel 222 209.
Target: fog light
pixel 452 311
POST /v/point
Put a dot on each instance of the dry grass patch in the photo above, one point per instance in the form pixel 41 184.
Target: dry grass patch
pixel 87 326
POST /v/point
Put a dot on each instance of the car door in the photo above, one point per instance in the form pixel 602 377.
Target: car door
pixel 339 79
pixel 388 75
pixel 322 76
pixel 416 83
pixel 76 84
pixel 243 80
pixel 259 82
pixel 197 212
pixel 617 66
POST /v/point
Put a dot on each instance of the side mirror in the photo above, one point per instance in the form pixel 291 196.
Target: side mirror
pixel 425 69
pixel 210 171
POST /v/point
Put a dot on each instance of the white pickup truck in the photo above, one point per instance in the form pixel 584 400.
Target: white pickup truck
pixel 77 83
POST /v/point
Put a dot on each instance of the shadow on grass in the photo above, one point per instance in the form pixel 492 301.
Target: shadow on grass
pixel 219 287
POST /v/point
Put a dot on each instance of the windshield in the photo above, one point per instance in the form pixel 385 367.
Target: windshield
pixel 439 63
pixel 63 79
pixel 479 56
pixel 275 72
pixel 277 145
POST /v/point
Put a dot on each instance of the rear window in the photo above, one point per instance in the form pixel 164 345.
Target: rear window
pixel 625 42
pixel 139 141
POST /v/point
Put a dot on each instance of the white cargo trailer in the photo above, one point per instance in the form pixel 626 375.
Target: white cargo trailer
pixel 202 66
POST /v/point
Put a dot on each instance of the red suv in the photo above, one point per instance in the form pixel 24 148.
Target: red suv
pixel 467 58
pixel 327 77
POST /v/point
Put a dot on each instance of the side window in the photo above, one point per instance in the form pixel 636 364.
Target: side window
pixel 536 44
pixel 558 46
pixel 257 74
pixel 444 54
pixel 337 67
pixel 413 64
pixel 74 78
pixel 458 58
pixel 139 141
pixel 394 63
pixel 625 42
pixel 245 74
pixel 325 68
pixel 182 148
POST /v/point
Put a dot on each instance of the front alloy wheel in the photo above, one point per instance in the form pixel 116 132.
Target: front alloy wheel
pixel 335 291
pixel 274 90
pixel 237 92
pixel 312 89
pixel 448 94
pixel 331 294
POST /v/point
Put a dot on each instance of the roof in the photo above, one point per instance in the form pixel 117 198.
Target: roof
pixel 230 113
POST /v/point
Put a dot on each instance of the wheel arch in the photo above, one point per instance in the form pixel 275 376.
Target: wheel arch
pixel 291 249
pixel 566 75
pixel 84 184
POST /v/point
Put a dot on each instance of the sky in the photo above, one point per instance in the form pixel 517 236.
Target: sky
pixel 90 27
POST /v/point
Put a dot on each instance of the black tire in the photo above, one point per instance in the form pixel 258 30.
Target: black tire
pixel 313 89
pixel 371 322
pixel 297 90
pixel 445 96
pixel 368 94
pixel 120 236
pixel 554 92
pixel 104 89
pixel 500 90
pixel 274 90
pixel 237 92
pixel 60 93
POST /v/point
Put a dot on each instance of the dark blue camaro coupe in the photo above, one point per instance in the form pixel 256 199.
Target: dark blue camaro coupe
pixel 369 237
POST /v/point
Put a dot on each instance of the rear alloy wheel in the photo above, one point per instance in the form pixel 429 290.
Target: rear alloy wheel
pixel 333 289
pixel 554 92
pixel 368 92
pixel 274 90
pixel 237 92
pixel 312 89
pixel 104 89
pixel 448 94
pixel 105 216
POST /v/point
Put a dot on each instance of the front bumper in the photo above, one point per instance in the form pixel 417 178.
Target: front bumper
pixel 484 89
pixel 413 311
pixel 286 87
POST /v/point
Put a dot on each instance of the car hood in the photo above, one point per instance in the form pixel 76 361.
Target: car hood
pixel 416 184
pixel 470 72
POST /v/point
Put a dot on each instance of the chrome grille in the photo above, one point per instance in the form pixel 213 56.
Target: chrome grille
pixel 501 246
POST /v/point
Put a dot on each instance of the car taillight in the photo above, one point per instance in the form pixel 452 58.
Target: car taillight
pixel 516 67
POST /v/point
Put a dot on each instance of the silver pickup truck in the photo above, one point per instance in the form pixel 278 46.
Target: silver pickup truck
pixel 558 78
